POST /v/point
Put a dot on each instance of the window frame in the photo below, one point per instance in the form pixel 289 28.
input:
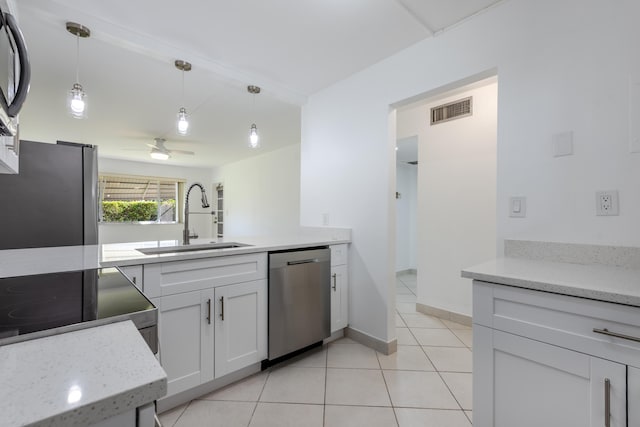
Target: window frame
pixel 179 183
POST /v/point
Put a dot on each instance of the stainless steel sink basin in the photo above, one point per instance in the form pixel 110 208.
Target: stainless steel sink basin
pixel 191 248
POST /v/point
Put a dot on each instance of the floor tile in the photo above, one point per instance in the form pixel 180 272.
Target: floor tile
pixel 405 337
pixel 469 415
pixel 455 325
pixel 400 322
pixel 464 335
pixel 294 385
pixel 408 358
pixel 359 416
pixel 287 415
pixel 316 358
pixel 460 385
pixel 419 320
pixel 352 356
pixel 209 413
pixel 406 298
pixel 436 337
pixel 344 340
pixel 356 387
pixel 406 307
pixel 431 418
pixel 169 418
pixel 247 390
pixel 403 290
pixel 417 389
pixel 450 359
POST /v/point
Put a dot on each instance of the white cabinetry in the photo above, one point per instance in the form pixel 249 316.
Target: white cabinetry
pixel 240 326
pixel 133 273
pixel 538 359
pixel 212 316
pixel 8 157
pixel 339 287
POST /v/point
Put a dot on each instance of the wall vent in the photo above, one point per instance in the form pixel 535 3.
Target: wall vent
pixel 452 110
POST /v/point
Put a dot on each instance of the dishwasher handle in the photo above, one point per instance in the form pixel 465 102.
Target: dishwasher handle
pixel 303 261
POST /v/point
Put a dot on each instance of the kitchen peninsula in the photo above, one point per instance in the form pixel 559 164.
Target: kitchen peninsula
pixel 556 340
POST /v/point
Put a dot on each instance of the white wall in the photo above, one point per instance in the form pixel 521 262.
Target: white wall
pixel 406 212
pixel 202 224
pixel 262 193
pixel 456 195
pixel 562 65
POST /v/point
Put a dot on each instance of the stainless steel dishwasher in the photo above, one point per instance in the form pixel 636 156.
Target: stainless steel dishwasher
pixel 299 300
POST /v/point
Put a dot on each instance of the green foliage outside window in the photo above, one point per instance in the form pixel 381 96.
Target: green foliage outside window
pixel 136 210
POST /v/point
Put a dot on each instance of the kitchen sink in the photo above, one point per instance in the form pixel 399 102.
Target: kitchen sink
pixel 191 248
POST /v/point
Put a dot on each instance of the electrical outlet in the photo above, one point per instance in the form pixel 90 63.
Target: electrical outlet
pixel 607 203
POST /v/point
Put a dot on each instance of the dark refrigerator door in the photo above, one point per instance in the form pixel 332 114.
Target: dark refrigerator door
pixel 44 205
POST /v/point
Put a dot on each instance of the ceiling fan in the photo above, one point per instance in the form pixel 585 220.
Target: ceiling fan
pixel 160 152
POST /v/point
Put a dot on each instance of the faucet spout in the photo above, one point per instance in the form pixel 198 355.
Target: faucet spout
pixel 205 204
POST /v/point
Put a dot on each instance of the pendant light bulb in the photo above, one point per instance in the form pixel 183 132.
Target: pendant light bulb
pixel 77 100
pixel 183 121
pixel 254 138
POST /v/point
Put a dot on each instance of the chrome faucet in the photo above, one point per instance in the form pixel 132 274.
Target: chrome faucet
pixel 205 204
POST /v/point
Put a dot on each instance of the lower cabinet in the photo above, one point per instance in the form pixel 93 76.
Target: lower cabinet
pixel 339 297
pixel 209 333
pixel 528 383
pixel 240 326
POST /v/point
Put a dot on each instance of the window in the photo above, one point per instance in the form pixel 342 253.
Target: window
pixel 139 199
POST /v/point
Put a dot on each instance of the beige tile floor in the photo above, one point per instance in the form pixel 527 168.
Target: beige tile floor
pixel 427 383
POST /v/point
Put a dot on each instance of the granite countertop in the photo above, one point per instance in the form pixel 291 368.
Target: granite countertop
pixel 78 378
pixel 598 282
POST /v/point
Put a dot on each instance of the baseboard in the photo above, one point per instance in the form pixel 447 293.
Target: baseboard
pixel 170 402
pixel 334 336
pixel 372 342
pixel 407 271
pixel 444 314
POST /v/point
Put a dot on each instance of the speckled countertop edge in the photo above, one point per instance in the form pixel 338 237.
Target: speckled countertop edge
pixel 597 282
pixel 110 365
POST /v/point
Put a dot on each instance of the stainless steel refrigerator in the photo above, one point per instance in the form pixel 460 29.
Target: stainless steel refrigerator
pixel 53 200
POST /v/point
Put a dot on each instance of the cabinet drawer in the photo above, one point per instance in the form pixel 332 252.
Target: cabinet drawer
pixel 562 320
pixel 169 278
pixel 339 254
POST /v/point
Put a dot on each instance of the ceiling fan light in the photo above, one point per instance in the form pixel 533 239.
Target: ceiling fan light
pixel 183 122
pixel 254 138
pixel 77 102
pixel 159 155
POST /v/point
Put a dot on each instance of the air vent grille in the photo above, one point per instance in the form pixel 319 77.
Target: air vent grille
pixel 452 110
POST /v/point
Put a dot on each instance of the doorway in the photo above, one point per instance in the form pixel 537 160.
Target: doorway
pixel 455 195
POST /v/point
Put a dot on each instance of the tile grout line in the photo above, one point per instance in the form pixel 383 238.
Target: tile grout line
pixel 255 407
pixel 182 413
pixel 326 374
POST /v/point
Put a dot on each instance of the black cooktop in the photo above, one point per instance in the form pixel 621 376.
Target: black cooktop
pixel 47 302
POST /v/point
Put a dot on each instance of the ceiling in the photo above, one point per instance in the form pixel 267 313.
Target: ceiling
pixel 290 48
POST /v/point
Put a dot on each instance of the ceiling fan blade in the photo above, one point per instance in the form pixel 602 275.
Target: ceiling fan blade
pixel 190 153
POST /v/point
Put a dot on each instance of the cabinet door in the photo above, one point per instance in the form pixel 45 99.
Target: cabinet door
pixel 241 326
pixel 339 298
pixel 133 273
pixel 633 396
pixel 186 339
pixel 526 383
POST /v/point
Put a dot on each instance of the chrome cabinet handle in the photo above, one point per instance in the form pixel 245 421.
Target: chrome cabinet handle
pixel 607 402
pixel 209 311
pixel 605 331
pixel 222 308
pixel 334 281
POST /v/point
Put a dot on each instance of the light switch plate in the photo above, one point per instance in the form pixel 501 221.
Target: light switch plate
pixel 562 144
pixel 517 207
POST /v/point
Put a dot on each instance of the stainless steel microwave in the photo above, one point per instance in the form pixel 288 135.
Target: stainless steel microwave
pixel 15 71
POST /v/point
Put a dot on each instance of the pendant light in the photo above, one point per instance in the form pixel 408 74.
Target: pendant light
pixel 254 138
pixel 182 124
pixel 77 97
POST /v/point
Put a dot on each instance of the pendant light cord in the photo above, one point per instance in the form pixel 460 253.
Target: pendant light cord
pixel 183 87
pixel 78 58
